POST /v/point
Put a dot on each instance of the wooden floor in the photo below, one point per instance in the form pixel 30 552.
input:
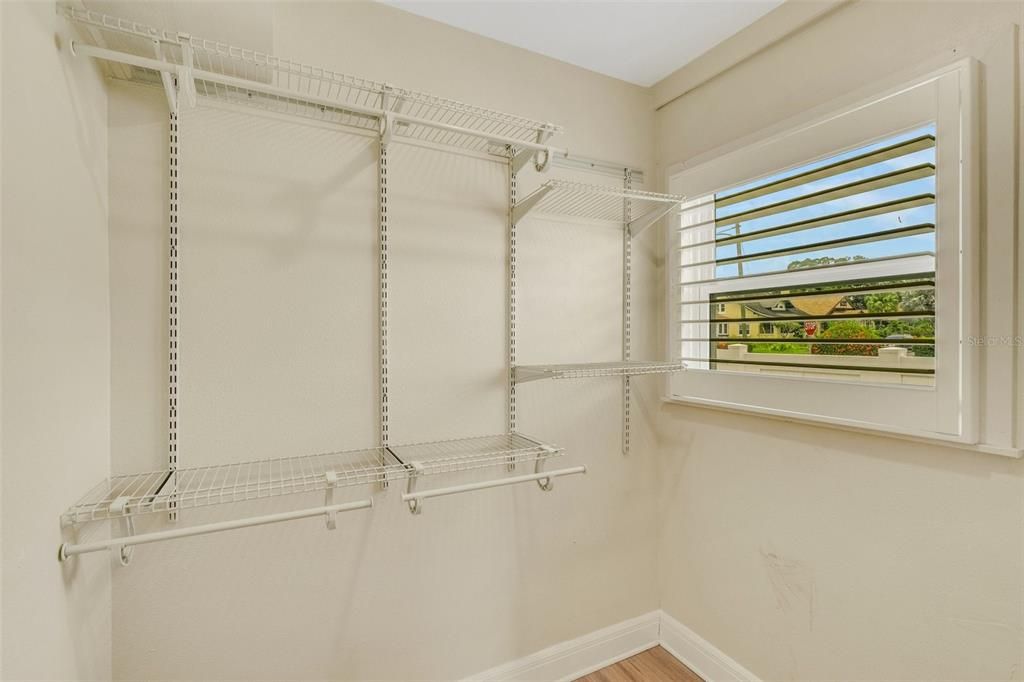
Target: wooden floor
pixel 653 665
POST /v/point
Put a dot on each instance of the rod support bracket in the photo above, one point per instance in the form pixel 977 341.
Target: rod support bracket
pixel 120 506
pixel 332 483
pixel 415 470
pixel 545 484
pixel 520 159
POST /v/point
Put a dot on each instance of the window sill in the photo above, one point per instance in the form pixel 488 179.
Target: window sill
pixel 799 418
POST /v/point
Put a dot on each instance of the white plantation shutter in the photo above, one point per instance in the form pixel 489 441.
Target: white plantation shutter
pixel 826 272
pixel 791 250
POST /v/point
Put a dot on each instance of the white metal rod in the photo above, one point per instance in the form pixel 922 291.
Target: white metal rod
pixel 244 84
pixel 469 487
pixel 67 550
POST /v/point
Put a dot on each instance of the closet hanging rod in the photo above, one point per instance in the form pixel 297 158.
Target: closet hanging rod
pixel 183 72
pixel 416 496
pixel 68 550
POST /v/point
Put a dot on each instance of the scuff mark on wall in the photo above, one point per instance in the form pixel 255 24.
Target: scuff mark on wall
pixel 792 582
pixel 981 625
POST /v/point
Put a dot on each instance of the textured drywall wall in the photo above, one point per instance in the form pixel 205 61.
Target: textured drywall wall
pixel 811 553
pixel 278 357
pixel 55 346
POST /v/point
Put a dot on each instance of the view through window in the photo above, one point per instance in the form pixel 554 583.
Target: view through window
pixel 826 270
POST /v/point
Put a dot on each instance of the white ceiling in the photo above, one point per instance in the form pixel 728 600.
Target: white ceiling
pixel 638 41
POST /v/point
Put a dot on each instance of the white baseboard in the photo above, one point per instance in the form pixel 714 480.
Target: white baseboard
pixel 699 655
pixel 578 657
pixel 583 655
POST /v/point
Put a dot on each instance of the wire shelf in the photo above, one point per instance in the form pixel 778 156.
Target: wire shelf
pixel 255 79
pixel 595 202
pixel 448 456
pixel 162 491
pixel 595 369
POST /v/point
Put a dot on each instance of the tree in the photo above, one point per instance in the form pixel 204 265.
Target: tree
pixel 793 330
pixel 823 260
pixel 882 303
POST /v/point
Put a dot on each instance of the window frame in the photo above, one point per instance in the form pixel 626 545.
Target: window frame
pixel 958 424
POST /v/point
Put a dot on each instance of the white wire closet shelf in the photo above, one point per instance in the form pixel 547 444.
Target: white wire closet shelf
pixel 188 67
pixel 596 202
pixel 617 368
pixel 162 491
pixel 509 449
pixel 464 454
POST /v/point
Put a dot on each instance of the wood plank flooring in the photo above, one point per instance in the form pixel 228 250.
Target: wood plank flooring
pixel 653 665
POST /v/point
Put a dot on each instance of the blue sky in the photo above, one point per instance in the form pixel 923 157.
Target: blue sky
pixel 895 219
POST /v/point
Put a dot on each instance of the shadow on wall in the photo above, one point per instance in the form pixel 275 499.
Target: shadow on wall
pixel 681 426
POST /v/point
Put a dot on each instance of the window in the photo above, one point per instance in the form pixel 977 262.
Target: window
pixel 722 329
pixel 850 234
pixel 797 232
pixel 720 308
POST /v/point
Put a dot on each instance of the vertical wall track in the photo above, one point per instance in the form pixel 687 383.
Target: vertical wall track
pixel 511 304
pixel 382 283
pixel 627 292
pixel 173 255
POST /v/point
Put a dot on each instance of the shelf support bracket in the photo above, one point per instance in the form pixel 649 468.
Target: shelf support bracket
pixel 387 118
pixel 650 218
pixel 522 208
pixel 520 160
pixel 331 514
pixel 167 79
pixel 387 128
pixel 186 77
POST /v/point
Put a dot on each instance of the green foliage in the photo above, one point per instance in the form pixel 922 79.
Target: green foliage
pixel 847 329
pixel 787 348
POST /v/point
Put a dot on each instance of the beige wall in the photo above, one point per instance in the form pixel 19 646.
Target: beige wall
pixel 55 347
pixel 812 553
pixel 278 358
pixel 803 552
